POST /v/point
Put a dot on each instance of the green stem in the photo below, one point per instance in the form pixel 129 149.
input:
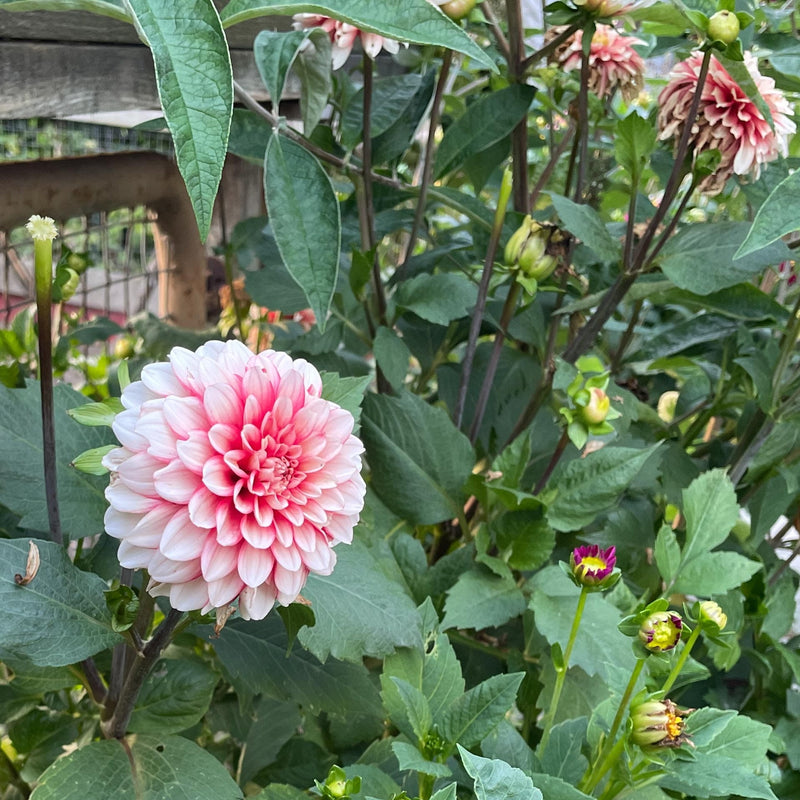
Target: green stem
pixel 425 785
pixel 605 765
pixel 608 744
pixel 676 670
pixel 561 673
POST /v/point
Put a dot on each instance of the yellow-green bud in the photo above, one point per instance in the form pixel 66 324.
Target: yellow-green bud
pixel 666 406
pixel 527 250
pixel 661 631
pixel 596 410
pixel 711 612
pixel 458 9
pixel 723 27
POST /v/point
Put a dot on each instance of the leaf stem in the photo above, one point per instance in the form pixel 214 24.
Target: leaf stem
pixel 561 670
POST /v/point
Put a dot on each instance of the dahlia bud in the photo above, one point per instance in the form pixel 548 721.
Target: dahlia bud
pixel 458 9
pixel 658 724
pixel 711 613
pixel 592 566
pixel 596 410
pixel 661 631
pixel 527 250
pixel 666 406
pixel 723 27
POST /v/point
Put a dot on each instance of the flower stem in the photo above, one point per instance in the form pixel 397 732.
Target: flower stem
pixel 425 785
pixel 588 782
pixel 43 260
pixel 605 765
pixel 561 671
pixel 676 670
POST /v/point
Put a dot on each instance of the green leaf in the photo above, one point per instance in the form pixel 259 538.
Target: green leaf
pixel 714 573
pixel 154 768
pixel 475 714
pixel 107 8
pixel 190 55
pixel 274 53
pixel 91 461
pixel 281 791
pixel 313 69
pixel 304 214
pixel 390 99
pixel 409 758
pixel 60 617
pixel 634 141
pixel 585 223
pixel 554 599
pixel 554 788
pixel 700 257
pixel 419 460
pixel 359 611
pixel 345 392
pixel 413 21
pixel 448 793
pixel 562 757
pixel 711 511
pixel 97 414
pixel 253 654
pixel 248 140
pixel 587 486
pixel 668 553
pixel 481 599
pixel 438 298
pixel 175 696
pixel 775 218
pixel 486 121
pixel 416 707
pixel 496 780
pixel 743 301
pixel 391 355
pixel 81 500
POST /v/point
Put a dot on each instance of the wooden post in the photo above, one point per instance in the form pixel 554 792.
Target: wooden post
pixel 75 187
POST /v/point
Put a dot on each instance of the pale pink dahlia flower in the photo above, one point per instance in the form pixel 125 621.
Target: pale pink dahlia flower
pixel 728 120
pixel 343 36
pixel 234 480
pixel 613 62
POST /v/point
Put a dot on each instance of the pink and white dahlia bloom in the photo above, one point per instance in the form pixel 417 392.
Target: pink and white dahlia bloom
pixel 727 120
pixel 613 63
pixel 343 36
pixel 235 479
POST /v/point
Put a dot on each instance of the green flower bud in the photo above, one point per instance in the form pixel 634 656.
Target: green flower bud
pixel 661 631
pixel 711 612
pixel 458 9
pixel 658 724
pixel 723 27
pixel 527 250
pixel 596 410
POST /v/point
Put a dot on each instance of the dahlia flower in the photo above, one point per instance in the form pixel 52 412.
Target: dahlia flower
pixel 613 62
pixel 234 479
pixel 727 120
pixel 343 37
pixel 592 566
pixel 661 631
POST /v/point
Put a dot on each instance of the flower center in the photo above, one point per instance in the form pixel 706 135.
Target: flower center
pixel 663 634
pixel 593 564
pixel 674 725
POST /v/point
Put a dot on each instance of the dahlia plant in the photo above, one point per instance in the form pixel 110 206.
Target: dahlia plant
pixel 485 483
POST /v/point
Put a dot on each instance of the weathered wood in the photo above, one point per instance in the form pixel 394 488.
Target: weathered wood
pixel 92 78
pixel 72 187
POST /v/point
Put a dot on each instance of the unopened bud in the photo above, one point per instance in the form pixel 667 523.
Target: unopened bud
pixel 458 9
pixel 723 27
pixel 661 631
pixel 527 250
pixel 711 612
pixel 596 410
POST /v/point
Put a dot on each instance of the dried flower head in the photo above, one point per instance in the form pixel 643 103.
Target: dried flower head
pixel 661 631
pixel 659 724
pixel 727 120
pixel 235 479
pixel 613 63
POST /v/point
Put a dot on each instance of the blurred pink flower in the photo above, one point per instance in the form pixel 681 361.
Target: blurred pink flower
pixel 613 62
pixel 728 120
pixel 343 37
pixel 611 8
pixel 234 479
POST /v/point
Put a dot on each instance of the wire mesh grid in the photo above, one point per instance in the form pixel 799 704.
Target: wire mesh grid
pixel 123 276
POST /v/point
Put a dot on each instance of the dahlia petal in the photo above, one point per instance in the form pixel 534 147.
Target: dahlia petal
pixel 340 529
pixel 286 557
pixel 185 365
pixel 160 437
pixel 137 473
pixel 150 528
pixel 167 570
pixel 124 499
pixel 113 458
pixel 256 602
pixel 229 524
pixel 124 429
pixel 131 556
pixel 203 508
pixel 235 357
pixel 217 561
pixel 218 478
pixel 195 451
pixel 321 561
pixel 185 415
pixel 284 530
pixel 282 412
pixel 288 583
pixel 224 437
pixel 339 55
pixel 188 596
pixel 225 590
pixel 223 405
pixel 136 395
pixel 255 534
pixel 255 564
pixel 263 513
pixel 175 483
pixel 119 524
pixel 372 43
pixel 181 539
pixel 161 380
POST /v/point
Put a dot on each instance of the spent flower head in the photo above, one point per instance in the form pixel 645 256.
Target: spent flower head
pixel 42 229
pixel 659 723
pixel 593 567
pixel 661 631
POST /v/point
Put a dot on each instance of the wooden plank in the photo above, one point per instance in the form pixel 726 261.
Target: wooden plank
pixel 80 26
pixel 92 78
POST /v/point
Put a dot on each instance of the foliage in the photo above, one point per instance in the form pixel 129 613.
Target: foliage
pixel 552 334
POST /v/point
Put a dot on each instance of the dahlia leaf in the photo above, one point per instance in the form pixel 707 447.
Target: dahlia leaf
pixel 174 697
pixel 416 707
pixel 415 21
pixel 585 223
pixel 80 496
pixel 477 713
pixel 419 460
pixel 485 122
pixel 275 53
pixel 438 298
pixel 635 140
pixel 60 616
pixel 345 392
pixel 410 759
pixel 711 511
pixel 497 780
pixel 304 214
pixel 253 655
pixel 106 8
pixel 190 55
pixel 481 599
pixel 776 217
pixel 360 610
pixel 588 486
pixel 154 768
pixel 715 573
pixel 391 355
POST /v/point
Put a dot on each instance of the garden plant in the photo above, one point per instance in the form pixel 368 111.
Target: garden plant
pixel 486 484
